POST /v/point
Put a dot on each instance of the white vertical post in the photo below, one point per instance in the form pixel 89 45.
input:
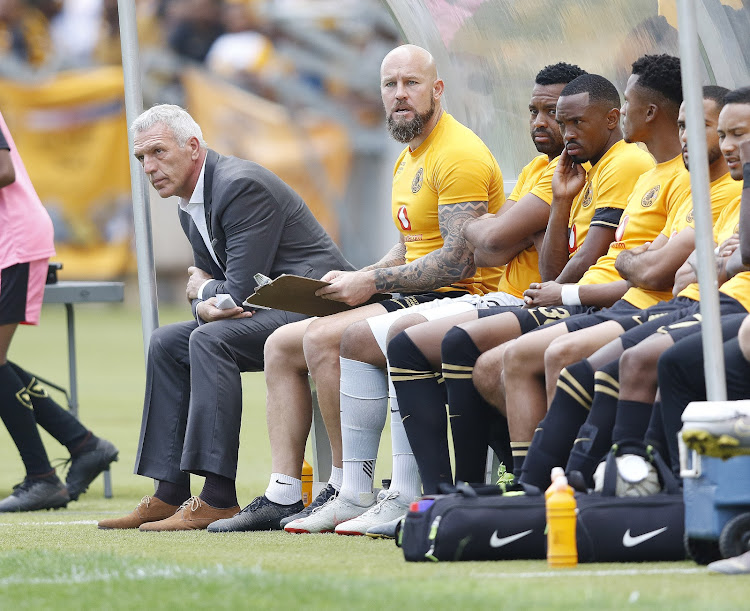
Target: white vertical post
pixel 141 212
pixel 713 352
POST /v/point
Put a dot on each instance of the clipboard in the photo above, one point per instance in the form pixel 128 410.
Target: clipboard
pixel 297 294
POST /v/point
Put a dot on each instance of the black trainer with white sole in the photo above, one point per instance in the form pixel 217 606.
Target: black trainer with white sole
pixel 261 514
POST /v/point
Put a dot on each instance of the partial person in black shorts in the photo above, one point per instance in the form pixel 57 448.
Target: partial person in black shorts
pixel 24 402
pixel 682 378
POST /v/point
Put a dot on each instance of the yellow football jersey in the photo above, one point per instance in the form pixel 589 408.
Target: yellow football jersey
pixel 737 286
pixel 451 166
pixel 608 185
pixel 655 193
pixel 725 227
pixel 722 192
pixel 523 269
pixel 726 223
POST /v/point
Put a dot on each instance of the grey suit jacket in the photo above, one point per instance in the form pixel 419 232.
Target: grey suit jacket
pixel 257 224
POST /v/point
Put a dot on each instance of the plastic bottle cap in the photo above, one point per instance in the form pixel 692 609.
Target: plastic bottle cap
pixel 556 472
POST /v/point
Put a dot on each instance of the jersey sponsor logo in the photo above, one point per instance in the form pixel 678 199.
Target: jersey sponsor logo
pixel 690 217
pixel 417 237
pixel 572 239
pixel 650 197
pixel 403 218
pixel 400 169
pixel 629 541
pixel 620 231
pixel 416 184
pixel 588 197
pixel 496 541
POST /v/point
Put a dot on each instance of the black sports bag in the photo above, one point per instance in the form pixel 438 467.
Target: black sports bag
pixel 632 529
pixel 476 524
pixel 484 524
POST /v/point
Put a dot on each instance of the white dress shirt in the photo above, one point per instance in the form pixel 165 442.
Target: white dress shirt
pixel 195 209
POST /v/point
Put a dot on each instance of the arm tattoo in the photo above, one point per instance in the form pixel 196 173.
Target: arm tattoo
pixel 395 256
pixel 453 262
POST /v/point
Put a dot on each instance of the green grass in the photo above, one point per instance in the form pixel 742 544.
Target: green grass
pixel 60 560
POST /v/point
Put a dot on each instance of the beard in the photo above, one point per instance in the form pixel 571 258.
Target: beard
pixel 714 154
pixel 406 131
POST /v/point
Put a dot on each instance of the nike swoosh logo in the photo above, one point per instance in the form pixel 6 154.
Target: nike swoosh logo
pixel 496 541
pixel 629 541
pixel 283 483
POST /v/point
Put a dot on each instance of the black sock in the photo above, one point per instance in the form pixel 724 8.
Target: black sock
pixel 54 419
pixel 595 435
pixel 655 432
pixel 421 400
pixel 171 493
pixel 219 491
pixel 519 451
pixel 17 413
pixel 475 424
pixel 556 433
pixel 631 420
pixel 86 444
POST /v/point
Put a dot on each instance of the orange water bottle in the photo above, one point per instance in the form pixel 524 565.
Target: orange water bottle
pixel 307 482
pixel 561 525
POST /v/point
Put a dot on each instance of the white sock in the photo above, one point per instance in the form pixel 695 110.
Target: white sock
pixel 364 405
pixel 284 489
pixel 337 477
pixel 405 478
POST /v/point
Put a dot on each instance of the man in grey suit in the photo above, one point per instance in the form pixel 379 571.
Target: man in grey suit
pixel 240 219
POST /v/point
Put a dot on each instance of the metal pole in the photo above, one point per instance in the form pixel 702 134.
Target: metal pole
pixel 141 212
pixel 713 352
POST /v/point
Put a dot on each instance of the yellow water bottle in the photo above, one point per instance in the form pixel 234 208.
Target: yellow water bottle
pixel 562 551
pixel 307 482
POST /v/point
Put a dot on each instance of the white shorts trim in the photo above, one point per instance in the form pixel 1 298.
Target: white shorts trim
pixel 436 309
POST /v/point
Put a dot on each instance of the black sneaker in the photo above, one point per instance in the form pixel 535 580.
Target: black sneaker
pixel 85 467
pixel 328 492
pixel 261 514
pixel 35 494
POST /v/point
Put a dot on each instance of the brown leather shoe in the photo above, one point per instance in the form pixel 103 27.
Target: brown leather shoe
pixel 150 509
pixel 193 514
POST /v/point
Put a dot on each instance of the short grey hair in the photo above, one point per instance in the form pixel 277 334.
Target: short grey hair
pixel 176 119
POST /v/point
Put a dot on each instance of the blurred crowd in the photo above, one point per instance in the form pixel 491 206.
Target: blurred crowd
pixel 292 51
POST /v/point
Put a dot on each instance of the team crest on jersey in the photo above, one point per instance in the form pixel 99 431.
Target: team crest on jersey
pixel 648 200
pixel 416 184
pixel 588 197
pixel 400 169
pixel 621 227
pixel 572 237
pixel 690 217
pixel 403 218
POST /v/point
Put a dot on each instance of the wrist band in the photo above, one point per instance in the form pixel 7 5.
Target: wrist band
pixel 569 295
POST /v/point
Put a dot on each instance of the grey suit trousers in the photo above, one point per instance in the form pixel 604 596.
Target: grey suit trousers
pixel 193 404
